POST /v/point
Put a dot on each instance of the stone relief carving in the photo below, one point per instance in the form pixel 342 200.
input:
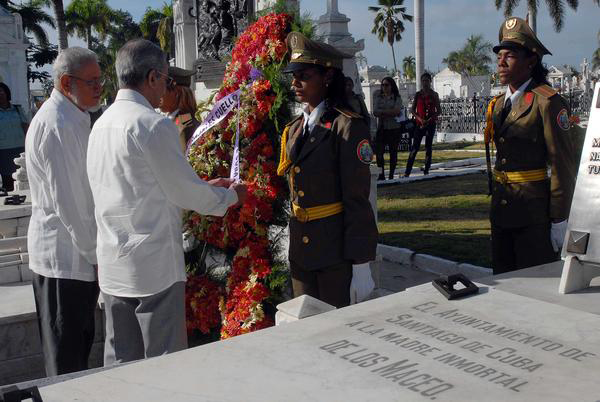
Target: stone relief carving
pixel 218 22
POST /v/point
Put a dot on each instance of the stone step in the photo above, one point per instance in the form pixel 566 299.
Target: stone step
pixel 20 351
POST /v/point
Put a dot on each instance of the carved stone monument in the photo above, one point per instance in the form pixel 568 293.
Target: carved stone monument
pixel 20 176
pixel 582 242
pixel 185 33
pixel 332 28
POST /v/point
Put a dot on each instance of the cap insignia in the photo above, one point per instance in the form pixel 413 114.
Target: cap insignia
pixel 294 41
pixel 511 23
pixel 296 56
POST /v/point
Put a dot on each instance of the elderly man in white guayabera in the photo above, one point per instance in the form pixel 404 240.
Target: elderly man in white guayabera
pixel 140 180
pixel 62 230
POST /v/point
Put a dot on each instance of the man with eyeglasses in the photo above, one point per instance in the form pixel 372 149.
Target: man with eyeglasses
pixel 62 231
pixel 140 182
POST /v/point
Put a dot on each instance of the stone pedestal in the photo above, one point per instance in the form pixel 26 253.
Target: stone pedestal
pixel 185 33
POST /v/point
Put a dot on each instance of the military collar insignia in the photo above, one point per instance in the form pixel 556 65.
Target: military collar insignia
pixel 328 125
pixel 364 152
pixel 511 23
pixel 562 119
pixel 528 97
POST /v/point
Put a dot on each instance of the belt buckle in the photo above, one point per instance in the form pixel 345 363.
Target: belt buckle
pixel 302 215
pixel 503 177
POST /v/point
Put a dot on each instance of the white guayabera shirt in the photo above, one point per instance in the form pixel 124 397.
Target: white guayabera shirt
pixel 140 180
pixel 62 232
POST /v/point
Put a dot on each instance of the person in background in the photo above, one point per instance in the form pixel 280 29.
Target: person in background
pixel 388 106
pixel 61 238
pixel 357 102
pixel 14 125
pixel 326 154
pixel 140 181
pixel 536 158
pixel 426 108
pixel 179 104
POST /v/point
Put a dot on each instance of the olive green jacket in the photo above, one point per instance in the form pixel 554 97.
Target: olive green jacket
pixel 187 124
pixel 332 166
pixel 535 135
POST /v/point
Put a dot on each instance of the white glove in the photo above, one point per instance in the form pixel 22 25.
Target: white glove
pixel 557 235
pixel 362 283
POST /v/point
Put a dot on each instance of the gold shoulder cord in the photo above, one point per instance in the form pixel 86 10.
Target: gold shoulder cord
pixel 284 162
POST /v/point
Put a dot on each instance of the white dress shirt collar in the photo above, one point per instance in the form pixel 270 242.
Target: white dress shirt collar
pixel 313 117
pixel 514 97
pixel 133 96
pixel 66 105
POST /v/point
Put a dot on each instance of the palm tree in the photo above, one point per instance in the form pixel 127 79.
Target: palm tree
pixel 84 15
pixel 408 65
pixel 556 8
pixel 157 26
pixel 473 59
pixel 388 22
pixel 419 40
pixel 33 16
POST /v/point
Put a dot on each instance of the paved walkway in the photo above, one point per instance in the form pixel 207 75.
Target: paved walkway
pixel 390 277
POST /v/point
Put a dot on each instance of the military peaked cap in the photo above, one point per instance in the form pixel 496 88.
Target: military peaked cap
pixel 515 33
pixel 181 76
pixel 305 53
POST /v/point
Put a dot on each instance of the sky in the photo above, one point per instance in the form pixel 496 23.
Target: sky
pixel 448 23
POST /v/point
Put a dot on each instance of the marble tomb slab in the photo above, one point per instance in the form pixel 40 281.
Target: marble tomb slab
pixel 409 346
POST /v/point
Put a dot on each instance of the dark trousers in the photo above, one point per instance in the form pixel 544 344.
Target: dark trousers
pixel 65 312
pixel 418 135
pixel 389 139
pixel 330 284
pixel 519 248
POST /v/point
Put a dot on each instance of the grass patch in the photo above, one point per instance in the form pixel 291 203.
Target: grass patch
pixel 443 152
pixel 446 217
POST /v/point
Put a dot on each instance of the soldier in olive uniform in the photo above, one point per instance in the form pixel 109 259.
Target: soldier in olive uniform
pixel 536 158
pixel 326 156
pixel 179 103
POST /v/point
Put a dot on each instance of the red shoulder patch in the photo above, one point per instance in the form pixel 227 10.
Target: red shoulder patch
pixel 528 98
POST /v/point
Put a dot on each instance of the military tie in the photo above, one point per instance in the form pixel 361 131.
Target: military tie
pixel 300 142
pixel 505 111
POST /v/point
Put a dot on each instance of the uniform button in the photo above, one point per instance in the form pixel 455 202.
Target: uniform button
pixel 305 239
pixel 513 114
pixel 503 202
pixel 297 169
pixel 312 139
pixel 301 193
pixel 501 140
pixel 503 161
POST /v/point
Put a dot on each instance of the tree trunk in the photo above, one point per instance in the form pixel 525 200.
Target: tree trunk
pixel 419 41
pixel 394 57
pixel 88 34
pixel 532 20
pixel 61 26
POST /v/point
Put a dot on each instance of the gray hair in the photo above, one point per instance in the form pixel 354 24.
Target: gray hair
pixel 135 60
pixel 70 61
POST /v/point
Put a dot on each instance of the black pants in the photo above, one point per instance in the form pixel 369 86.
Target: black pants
pixel 519 248
pixel 65 311
pixel 330 284
pixel 391 139
pixel 418 135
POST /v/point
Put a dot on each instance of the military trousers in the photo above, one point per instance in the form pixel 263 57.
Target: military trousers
pixel 522 247
pixel 330 284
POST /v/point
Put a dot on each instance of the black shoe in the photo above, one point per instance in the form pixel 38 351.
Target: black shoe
pixel 381 177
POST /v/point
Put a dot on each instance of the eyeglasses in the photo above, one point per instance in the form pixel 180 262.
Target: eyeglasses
pixel 170 81
pixel 97 82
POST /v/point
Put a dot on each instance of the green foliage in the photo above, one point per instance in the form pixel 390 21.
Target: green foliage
pixel 83 16
pixel 388 23
pixel 33 17
pixel 409 67
pixel 473 59
pixel 556 8
pixel 156 26
pixel 596 55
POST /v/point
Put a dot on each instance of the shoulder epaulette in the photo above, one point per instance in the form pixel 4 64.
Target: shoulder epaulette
pixel 544 90
pixel 348 113
pixel 295 119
